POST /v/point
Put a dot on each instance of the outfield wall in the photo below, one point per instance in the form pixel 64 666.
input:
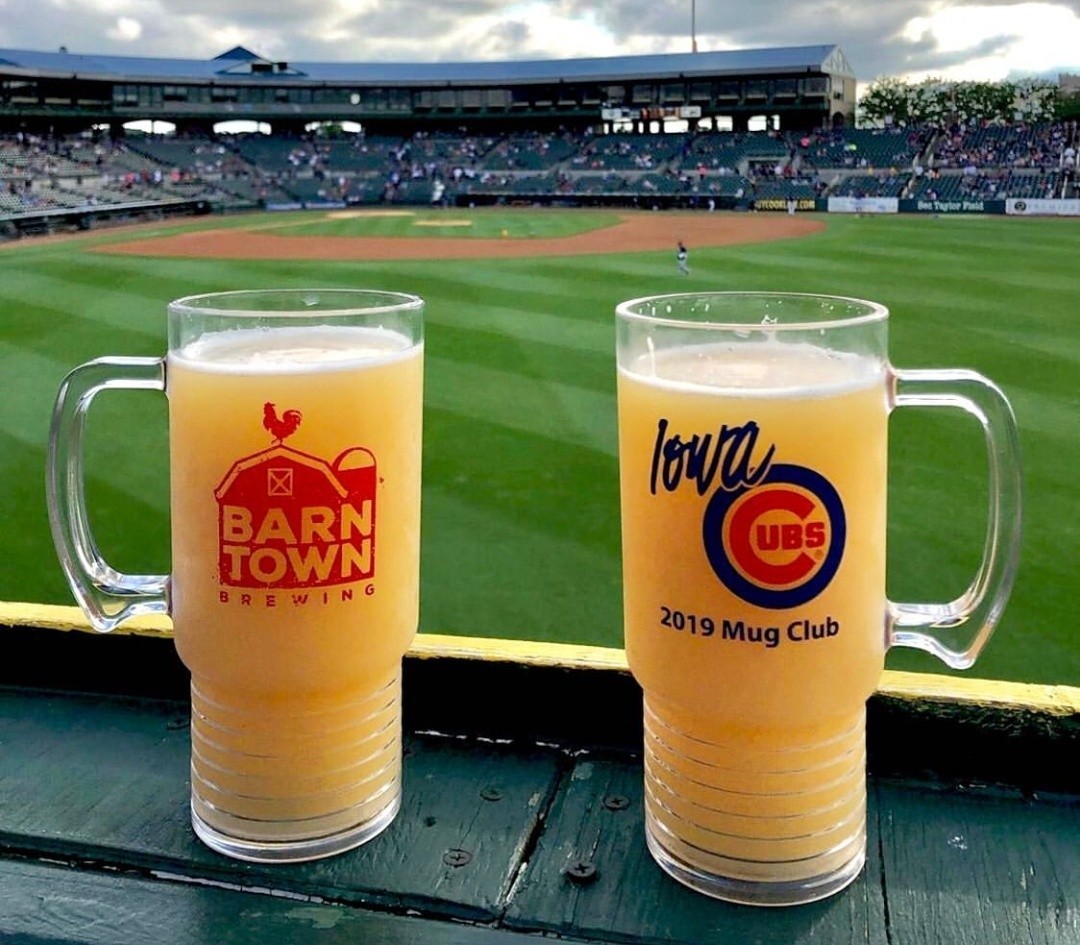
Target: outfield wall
pixel 47 222
pixel 14 226
pixel 1011 207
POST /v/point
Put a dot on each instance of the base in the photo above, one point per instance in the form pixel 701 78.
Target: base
pixel 294 851
pixel 755 892
pixel 286 779
pixel 761 816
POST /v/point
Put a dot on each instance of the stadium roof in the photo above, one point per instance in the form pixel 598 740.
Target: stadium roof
pixel 241 63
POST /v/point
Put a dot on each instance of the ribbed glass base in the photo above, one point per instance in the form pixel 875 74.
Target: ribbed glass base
pixel 286 780
pixel 752 816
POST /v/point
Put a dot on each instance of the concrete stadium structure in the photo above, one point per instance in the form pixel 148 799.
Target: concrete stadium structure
pixel 794 88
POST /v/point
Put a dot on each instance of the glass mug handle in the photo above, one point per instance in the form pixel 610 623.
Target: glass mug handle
pixel 933 627
pixel 107 597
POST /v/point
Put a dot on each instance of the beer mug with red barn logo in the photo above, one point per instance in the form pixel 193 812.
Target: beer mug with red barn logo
pixel 294 443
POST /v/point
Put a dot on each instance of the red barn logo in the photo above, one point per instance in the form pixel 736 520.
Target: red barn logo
pixel 287 519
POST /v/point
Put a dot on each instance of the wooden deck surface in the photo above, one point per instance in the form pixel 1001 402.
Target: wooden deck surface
pixel 96 847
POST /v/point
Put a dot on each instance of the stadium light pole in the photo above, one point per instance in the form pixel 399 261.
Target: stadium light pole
pixel 693 26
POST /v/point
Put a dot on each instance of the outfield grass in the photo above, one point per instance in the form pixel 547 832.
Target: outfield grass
pixel 520 493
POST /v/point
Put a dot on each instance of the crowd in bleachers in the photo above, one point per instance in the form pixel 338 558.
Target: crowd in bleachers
pixel 970 160
pixel 992 184
pixel 890 183
pixel 864 148
pixel 49 174
pixel 1018 145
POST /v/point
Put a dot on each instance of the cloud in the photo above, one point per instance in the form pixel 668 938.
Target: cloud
pixel 875 35
pixel 980 38
pixel 126 30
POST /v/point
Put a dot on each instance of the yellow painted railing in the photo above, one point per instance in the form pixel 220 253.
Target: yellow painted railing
pixel 1048 699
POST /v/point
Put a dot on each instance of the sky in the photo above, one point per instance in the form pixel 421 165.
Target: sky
pixel 985 40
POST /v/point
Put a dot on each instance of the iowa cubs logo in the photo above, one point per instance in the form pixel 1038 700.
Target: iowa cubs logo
pixel 773 533
pixel 777 544
pixel 290 520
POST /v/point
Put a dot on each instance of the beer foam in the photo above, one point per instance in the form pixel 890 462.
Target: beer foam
pixel 758 369
pixel 286 350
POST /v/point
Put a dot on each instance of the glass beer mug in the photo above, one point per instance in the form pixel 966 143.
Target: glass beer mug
pixel 752 453
pixel 294 441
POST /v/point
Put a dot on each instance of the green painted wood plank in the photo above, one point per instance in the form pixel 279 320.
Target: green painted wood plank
pixel 980 868
pixel 55 904
pixel 93 778
pixel 918 726
pixel 632 900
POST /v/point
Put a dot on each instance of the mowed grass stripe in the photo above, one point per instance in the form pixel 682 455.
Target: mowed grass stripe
pixel 33 379
pixel 99 295
pixel 27 555
pixel 27 559
pixel 46 326
pixel 86 329
pixel 539 361
pixel 533 581
pixel 559 489
pixel 530 326
pixel 122 425
pixel 860 247
pixel 518 286
pixel 526 324
pixel 504 397
pixel 167 279
pixel 1048 430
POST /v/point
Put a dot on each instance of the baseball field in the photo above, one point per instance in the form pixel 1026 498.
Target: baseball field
pixel 521 525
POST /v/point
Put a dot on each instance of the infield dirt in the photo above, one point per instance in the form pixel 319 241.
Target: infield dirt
pixel 635 232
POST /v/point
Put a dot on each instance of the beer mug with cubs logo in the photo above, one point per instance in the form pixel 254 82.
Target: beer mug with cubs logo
pixel 752 455
pixel 294 440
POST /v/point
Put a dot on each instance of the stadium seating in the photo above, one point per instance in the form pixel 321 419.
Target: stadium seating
pixel 997 184
pixel 624 151
pixel 871 185
pixel 363 153
pixel 863 147
pixel 977 161
pixel 985 145
pixel 529 152
pixel 716 150
pixel 781 188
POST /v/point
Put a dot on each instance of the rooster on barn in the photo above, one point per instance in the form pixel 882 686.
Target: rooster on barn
pixel 280 427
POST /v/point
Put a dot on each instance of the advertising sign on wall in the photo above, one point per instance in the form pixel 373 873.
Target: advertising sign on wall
pixel 863 205
pixel 1042 207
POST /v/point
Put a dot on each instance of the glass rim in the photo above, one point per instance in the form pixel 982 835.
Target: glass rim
pixel 389 301
pixel 874 311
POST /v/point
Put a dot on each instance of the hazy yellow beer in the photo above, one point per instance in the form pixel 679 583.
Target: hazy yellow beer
pixel 295 445
pixel 295 459
pixel 753 468
pixel 754 701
